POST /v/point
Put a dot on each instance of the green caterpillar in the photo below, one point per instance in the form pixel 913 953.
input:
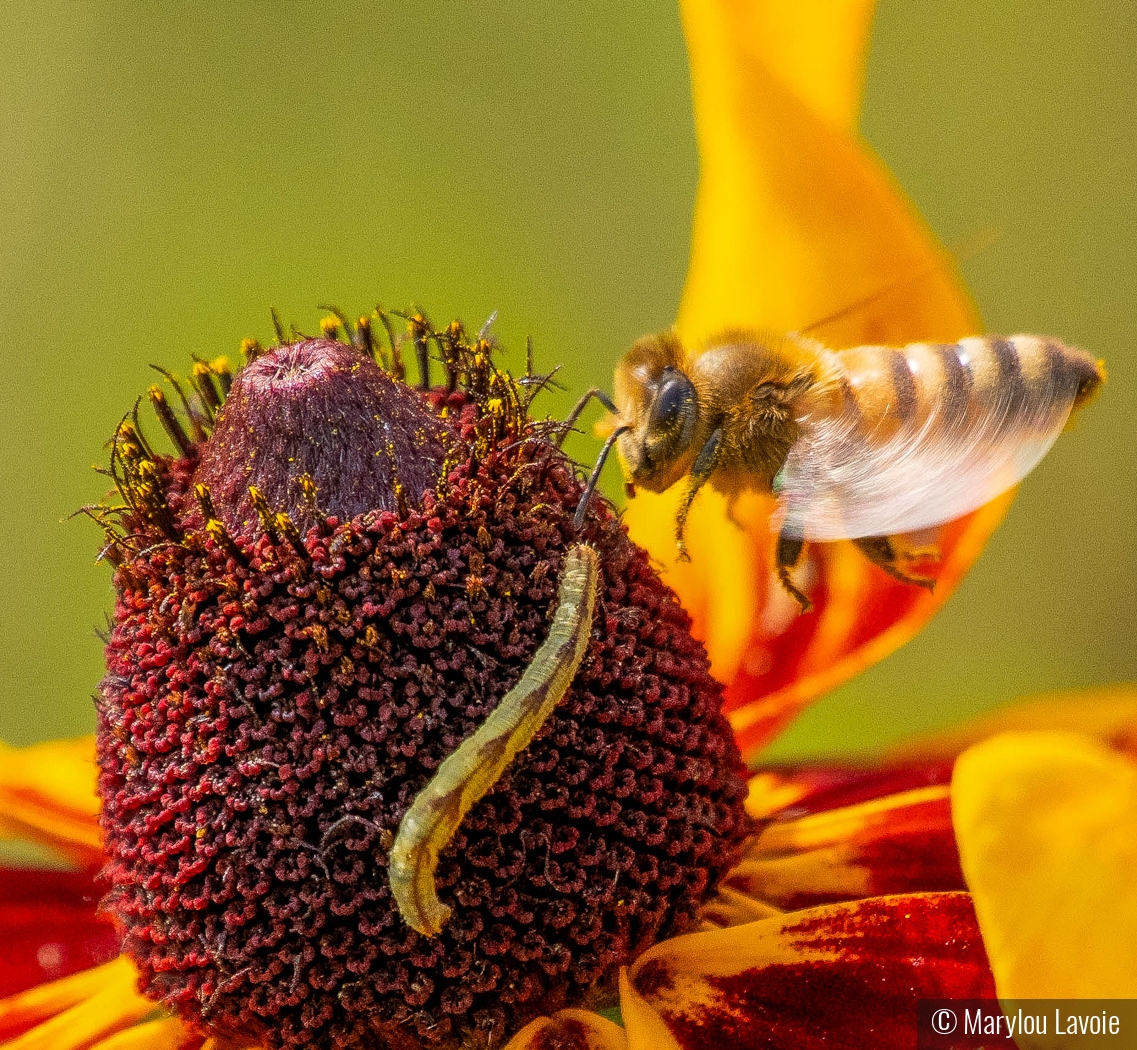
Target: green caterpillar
pixel 480 760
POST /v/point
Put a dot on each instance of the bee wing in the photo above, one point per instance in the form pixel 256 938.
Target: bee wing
pixel 841 481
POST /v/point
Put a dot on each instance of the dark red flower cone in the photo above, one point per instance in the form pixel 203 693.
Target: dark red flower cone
pixel 316 604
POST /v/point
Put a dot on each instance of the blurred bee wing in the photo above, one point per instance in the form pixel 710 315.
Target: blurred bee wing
pixel 840 482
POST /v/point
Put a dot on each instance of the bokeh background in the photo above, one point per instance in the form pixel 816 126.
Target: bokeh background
pixel 169 171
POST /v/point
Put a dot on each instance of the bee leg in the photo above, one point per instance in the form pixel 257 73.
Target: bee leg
pixel 915 547
pixel 786 556
pixel 881 552
pixel 570 420
pixel 704 467
pixel 731 506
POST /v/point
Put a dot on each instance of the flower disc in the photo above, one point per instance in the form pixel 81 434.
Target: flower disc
pixel 275 701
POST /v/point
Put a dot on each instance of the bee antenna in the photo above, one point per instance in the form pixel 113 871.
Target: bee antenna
pixel 947 259
pixel 594 477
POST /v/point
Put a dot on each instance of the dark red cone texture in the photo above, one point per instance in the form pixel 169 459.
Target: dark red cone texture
pixel 270 711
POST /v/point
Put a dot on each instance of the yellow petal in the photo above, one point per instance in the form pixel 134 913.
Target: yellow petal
pixel 168 1033
pixel 110 1005
pixel 1047 830
pixel 570 1030
pixel 645 1028
pixel 30 1007
pixel 771 791
pixel 796 221
pixel 1107 713
pixel 47 794
pixel 815 49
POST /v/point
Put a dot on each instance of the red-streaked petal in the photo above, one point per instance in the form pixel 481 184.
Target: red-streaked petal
pixel 794 792
pixel 48 927
pixel 570 1030
pixel 901 843
pixel 841 975
pixel 47 794
pixel 1047 830
pixel 1105 713
pixel 860 617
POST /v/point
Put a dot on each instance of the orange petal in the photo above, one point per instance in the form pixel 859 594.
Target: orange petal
pixel 795 221
pixel 1106 713
pixel 901 843
pixel 1047 832
pixel 570 1030
pixel 75 1011
pixel 168 1033
pixel 47 794
pixel 838 975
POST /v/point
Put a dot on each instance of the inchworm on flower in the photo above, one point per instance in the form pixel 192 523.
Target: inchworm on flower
pixel 478 763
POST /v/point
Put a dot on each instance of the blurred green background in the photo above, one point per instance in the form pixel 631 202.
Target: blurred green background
pixel 170 170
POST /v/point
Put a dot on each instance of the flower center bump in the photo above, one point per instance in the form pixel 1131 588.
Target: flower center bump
pixel 328 587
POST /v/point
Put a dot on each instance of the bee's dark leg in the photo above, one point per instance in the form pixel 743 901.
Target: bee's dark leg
pixel 581 405
pixel 731 506
pixel 704 467
pixel 786 556
pixel 881 551
pixel 594 477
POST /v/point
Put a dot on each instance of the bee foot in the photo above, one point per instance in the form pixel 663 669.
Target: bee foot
pixel 792 590
pixel 882 553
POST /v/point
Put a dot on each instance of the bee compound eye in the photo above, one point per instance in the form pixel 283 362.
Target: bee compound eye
pixel 673 409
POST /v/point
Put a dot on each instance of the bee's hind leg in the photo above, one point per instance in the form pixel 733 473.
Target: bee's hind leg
pixel 787 554
pixel 705 463
pixel 881 551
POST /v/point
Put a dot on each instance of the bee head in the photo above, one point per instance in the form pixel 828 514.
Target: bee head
pixel 658 401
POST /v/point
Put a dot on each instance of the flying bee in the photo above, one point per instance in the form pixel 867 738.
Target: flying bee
pixel 862 444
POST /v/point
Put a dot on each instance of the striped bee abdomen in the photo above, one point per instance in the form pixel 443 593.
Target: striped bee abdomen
pixel 928 432
pixel 993 381
pixel 1022 381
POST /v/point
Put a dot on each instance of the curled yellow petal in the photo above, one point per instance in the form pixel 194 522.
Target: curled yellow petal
pixel 794 218
pixel 815 49
pixel 1046 824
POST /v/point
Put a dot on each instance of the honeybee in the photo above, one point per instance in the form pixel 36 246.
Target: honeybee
pixel 861 444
